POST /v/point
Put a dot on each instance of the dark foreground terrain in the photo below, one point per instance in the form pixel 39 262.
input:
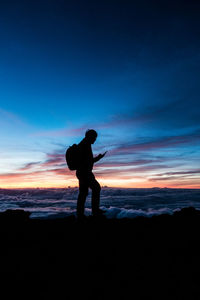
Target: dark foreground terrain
pixel 139 258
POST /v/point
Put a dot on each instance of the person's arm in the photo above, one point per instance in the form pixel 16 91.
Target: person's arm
pixel 98 157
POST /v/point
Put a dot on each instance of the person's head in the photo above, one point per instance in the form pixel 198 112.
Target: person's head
pixel 91 136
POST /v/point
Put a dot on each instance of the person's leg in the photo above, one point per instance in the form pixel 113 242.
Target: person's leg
pixel 81 202
pixel 96 188
pixel 83 192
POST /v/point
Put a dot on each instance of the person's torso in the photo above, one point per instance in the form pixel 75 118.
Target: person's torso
pixel 85 156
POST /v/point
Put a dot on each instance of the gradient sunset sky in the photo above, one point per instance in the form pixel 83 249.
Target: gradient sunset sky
pixel 128 69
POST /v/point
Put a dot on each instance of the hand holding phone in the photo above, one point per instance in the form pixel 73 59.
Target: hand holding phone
pixel 102 155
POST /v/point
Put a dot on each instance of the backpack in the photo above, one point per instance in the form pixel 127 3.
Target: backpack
pixel 72 157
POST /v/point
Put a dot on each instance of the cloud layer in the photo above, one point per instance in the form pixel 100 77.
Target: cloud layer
pixel 118 203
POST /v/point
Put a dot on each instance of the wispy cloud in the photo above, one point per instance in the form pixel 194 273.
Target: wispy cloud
pixel 54 160
pixel 22 175
pixel 128 163
pixel 121 171
pixel 186 172
pixel 160 143
pixel 181 114
pixel 181 176
pixel 29 166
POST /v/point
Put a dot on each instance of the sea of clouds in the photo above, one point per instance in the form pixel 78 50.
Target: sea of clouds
pixel 118 202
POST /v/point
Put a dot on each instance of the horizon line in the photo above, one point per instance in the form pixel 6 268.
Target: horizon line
pixel 104 186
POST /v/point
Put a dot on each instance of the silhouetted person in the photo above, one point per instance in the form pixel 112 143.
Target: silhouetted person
pixel 86 177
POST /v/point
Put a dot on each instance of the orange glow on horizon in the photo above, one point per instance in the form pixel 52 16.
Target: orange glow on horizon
pixel 20 183
pixel 61 178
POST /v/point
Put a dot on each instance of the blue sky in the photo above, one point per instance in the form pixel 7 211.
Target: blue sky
pixel 128 69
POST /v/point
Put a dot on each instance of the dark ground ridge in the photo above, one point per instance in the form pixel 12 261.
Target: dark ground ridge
pixel 101 258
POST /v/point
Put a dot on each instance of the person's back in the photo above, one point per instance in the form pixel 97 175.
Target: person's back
pixel 85 176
